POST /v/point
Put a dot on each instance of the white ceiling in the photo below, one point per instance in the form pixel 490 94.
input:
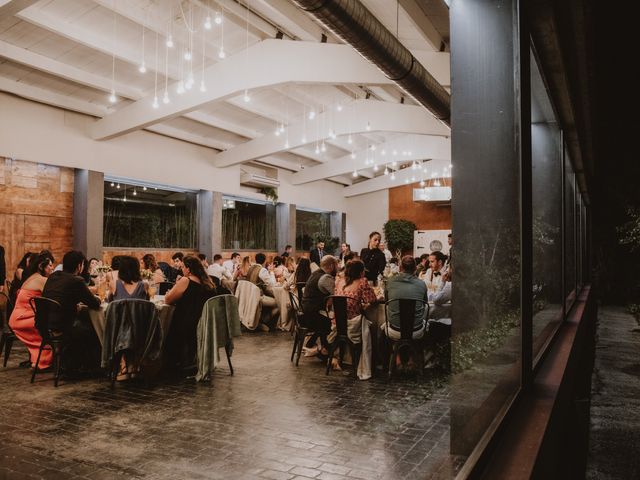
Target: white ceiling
pixel 72 53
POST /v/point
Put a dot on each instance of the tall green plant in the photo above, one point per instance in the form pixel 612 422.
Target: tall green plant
pixel 399 235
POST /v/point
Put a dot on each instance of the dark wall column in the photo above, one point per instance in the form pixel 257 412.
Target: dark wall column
pixel 209 223
pixel 88 212
pixel 491 211
pixel 336 226
pixel 285 226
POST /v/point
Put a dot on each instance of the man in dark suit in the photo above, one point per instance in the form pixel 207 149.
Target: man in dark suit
pixel 316 254
pixel 69 289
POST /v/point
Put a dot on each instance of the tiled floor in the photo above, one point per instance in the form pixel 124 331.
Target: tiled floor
pixel 270 420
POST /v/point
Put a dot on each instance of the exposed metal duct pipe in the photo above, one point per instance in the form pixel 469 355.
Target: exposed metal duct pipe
pixel 352 22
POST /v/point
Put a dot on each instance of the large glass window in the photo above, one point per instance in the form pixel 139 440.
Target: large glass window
pixel 149 217
pixel 248 225
pixel 569 233
pixel 546 161
pixel 311 227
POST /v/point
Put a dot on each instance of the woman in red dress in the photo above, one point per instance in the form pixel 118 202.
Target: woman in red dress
pixel 22 320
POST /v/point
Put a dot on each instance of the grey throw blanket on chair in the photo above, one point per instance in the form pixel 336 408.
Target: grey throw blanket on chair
pixel 219 323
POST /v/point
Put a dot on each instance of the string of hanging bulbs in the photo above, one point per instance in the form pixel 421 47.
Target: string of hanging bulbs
pixel 196 21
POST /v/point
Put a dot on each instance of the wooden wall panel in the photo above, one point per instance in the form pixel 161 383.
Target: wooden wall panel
pixel 36 209
pixel 426 215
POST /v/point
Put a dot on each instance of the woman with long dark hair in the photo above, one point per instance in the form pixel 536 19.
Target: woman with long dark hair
pixel 129 283
pixel 22 320
pixel 188 295
pixel 373 258
pixel 149 263
pixel 303 270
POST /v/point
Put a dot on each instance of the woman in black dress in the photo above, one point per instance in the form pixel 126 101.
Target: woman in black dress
pixel 373 258
pixel 189 295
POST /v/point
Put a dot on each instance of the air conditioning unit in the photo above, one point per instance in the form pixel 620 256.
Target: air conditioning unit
pixel 432 194
pixel 259 181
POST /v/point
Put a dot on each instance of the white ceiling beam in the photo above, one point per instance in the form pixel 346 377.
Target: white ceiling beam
pixel 90 39
pixel 422 23
pixel 384 182
pixel 291 18
pixel 64 70
pixel 438 64
pixel 51 98
pixel 268 63
pixel 9 8
pixel 359 117
pixel 180 134
pixel 421 148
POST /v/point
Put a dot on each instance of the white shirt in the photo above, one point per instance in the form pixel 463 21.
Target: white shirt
pixel 267 277
pixel 230 265
pixel 217 270
pixel 433 281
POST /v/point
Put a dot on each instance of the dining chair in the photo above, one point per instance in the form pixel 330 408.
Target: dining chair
pixel 300 331
pixel 406 344
pixel 44 308
pixel 338 303
pixel 7 337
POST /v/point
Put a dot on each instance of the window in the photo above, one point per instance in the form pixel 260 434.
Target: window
pixel 546 163
pixel 311 226
pixel 248 225
pixel 569 233
pixel 149 217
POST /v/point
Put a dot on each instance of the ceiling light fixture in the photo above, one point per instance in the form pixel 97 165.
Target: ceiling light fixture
pixel 207 23
pixel 218 18
pixel 246 96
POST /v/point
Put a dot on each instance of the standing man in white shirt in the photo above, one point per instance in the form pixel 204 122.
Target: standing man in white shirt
pixel 232 265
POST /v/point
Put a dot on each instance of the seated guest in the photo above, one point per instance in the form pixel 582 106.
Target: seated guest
pixel 232 264
pixel 319 286
pixel 355 286
pixel 112 276
pixel 67 288
pixel 442 298
pixel 189 295
pixel 22 320
pixel 287 251
pixel 433 276
pixel 17 279
pixel 303 270
pixel 149 263
pixel 289 270
pixel 243 270
pixel 217 269
pixel 278 268
pixel 263 276
pixel 405 285
pixel 345 248
pixel 373 258
pixel 316 254
pixel 129 283
pixel 176 271
pixel 86 273
pixel 203 259
pixel 422 265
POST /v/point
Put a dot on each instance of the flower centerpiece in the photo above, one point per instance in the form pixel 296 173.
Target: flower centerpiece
pixel 102 269
pixel 146 274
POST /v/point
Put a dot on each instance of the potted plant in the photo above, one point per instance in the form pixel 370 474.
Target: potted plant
pixel 271 194
pixel 399 236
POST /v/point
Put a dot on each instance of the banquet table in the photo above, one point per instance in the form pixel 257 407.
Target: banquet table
pixel 165 312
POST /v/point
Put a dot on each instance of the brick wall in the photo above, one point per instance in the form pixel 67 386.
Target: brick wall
pixel 36 209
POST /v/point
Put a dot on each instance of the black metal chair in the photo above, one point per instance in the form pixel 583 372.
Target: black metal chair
pixel 7 337
pixel 338 304
pixel 43 308
pixel 407 317
pixel 300 331
pixel 164 287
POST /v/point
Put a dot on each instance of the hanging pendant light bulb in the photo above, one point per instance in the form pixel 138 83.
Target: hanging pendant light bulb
pixel 375 168
pixel 312 114
pixel 118 186
pixel 282 128
pixel 144 188
pixel 203 87
pixel 207 23
pixel 189 83
pixel 349 139
pixel 339 107
pixel 414 166
pixel 218 18
pixel 394 164
pixel 142 68
pixel 368 126
pixel 286 144
pixel 277 132
pixel 170 41
pixel 221 53
pixel 393 176
pixel 180 88
pixel 112 96
pixel 386 171
pixel 187 55
pixel 354 174
pixel 303 140
pixel 135 192
pixel 323 148
pixel 317 150
pixel 373 148
pixel 353 155
pixel 165 97
pixel 155 103
pixel 246 97
pixel 113 184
